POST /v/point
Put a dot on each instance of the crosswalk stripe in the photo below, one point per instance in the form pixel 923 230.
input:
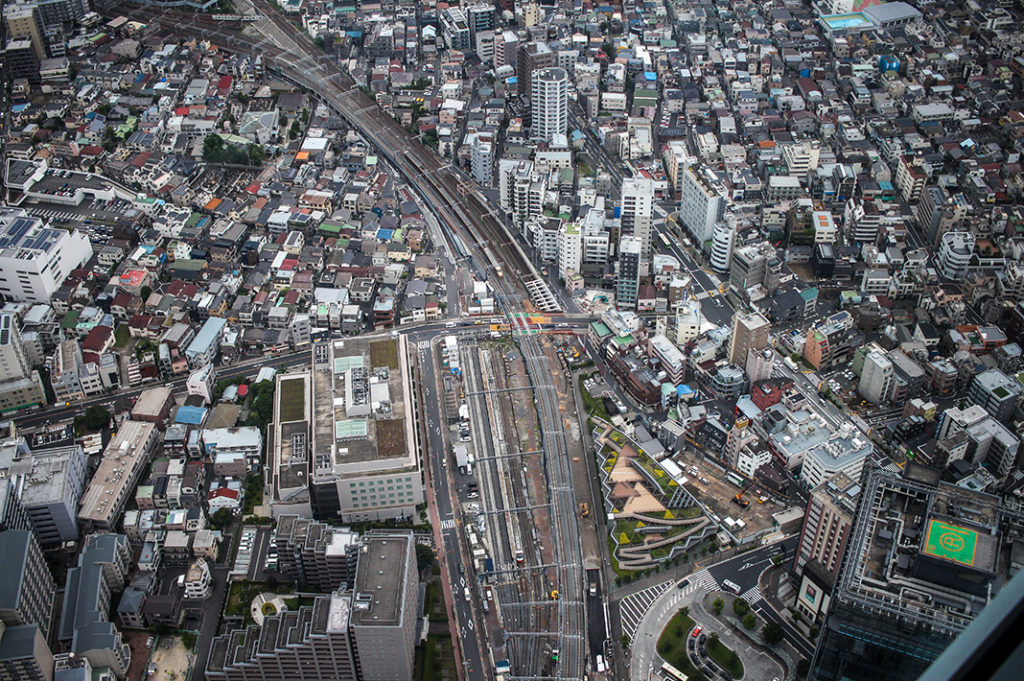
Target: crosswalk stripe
pixel 448 524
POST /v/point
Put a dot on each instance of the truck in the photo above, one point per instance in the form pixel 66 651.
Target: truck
pixel 584 509
pixel 465 592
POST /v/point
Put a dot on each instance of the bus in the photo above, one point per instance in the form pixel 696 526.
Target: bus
pixel 734 479
pixel 673 674
pixel 731 586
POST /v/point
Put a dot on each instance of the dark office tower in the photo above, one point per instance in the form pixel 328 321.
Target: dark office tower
pixel 532 56
pixel 923 558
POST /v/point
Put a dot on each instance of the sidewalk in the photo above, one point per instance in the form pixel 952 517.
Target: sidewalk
pixel 760 662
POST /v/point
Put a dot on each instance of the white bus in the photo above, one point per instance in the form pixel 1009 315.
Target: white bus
pixel 731 586
pixel 673 674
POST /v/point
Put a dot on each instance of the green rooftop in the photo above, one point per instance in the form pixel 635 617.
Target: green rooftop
pixel 953 543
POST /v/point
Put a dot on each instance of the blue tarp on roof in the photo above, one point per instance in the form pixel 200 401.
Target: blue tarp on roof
pixel 385 234
pixel 650 75
pixel 190 416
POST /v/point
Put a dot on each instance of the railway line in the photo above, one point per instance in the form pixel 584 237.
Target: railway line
pixel 469 225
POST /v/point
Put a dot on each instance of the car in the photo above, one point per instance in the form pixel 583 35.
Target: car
pixel 462 569
pixel 149 642
pixel 683 584
pixel 696 632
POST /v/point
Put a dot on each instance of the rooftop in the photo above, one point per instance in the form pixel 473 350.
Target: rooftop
pixel 379 581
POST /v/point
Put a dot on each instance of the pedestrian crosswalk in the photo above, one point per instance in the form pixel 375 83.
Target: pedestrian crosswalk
pixel 635 606
pixel 703 295
pixel 703 580
pixel 54 214
pixel 752 595
pixel 448 524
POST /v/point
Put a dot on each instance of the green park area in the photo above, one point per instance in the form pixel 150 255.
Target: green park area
pixel 672 645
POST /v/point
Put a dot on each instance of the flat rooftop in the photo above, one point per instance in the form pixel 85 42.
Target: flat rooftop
pixel 359 407
pixel 379 581
pixel 292 430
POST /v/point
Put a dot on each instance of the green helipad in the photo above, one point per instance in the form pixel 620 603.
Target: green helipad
pixel 951 542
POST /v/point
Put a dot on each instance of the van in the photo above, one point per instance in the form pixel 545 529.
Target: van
pixel 449 325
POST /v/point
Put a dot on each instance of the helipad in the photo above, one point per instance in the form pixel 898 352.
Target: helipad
pixel 951 542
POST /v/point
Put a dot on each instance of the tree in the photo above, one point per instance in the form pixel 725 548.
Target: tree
pixel 424 557
pixel 220 518
pixel 95 418
pixel 772 633
pixel 713 639
pixel 293 132
pixel 625 640
pixel 145 292
pixel 740 607
pixel 718 606
pixel 749 621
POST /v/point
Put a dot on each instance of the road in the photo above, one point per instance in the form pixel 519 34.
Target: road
pixel 450 551
pixel 744 569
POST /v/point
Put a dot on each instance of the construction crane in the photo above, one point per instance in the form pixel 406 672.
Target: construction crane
pixel 739 500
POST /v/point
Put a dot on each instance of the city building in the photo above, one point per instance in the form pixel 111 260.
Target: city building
pixel 204 347
pixel 827 523
pixel 24 654
pixel 367 634
pixel 122 463
pixel 85 629
pixel 996 393
pixel 688 322
pixel 47 484
pixel 876 378
pixel 753 265
pixel 627 279
pixel 722 242
pixel 638 214
pixel 549 99
pixel 315 554
pixel 28 251
pixel 359 453
pixel 313 643
pixel 201 382
pixel 531 57
pixel 749 332
pixel 234 451
pixel 912 534
pixel 844 451
pixel 955 251
pixel 385 606
pixel 702 203
pixel 27 590
pixel 20 386
pixel 831 341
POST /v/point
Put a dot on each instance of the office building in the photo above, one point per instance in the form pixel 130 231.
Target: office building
pixel 688 322
pixel 384 608
pixel 844 451
pixel 549 99
pixel 204 347
pixel 20 386
pixel 520 191
pixel 24 23
pixel 751 266
pixel 313 643
pixel 955 251
pixel 456 29
pixel 24 654
pixel 234 451
pixel 802 158
pixel 827 523
pixel 368 634
pixel 702 203
pixel 126 456
pixel 638 214
pixel 201 382
pixel 996 393
pixel 22 62
pixel 988 442
pixel 27 589
pixel 923 558
pixel 321 557
pixel 910 178
pixel 938 212
pixel 627 279
pixel 677 159
pixel 34 259
pixel 357 455
pixel 482 161
pixel 570 251
pixel 531 57
pixel 876 378
pixel 84 628
pixel 749 332
pixel 47 484
pixel 722 242
pixel 832 341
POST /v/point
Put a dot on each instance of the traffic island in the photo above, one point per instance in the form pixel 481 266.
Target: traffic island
pixel 672 645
